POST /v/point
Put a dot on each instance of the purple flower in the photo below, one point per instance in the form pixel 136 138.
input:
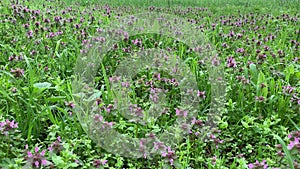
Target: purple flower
pixel 201 94
pixel 7 126
pixel 259 98
pixel 215 61
pixel 293 143
pixel 159 145
pixel 98 118
pixel 197 122
pixel 98 101
pixel 181 113
pixel 107 124
pixel 240 50
pixel 114 79
pixel 250 166
pixel 97 163
pixel 137 42
pixel 17 72
pixel 258 165
pixel 37 159
pixel 109 108
pixel 231 62
pixel 288 89
pixel 55 146
pixel 169 154
pixel 70 104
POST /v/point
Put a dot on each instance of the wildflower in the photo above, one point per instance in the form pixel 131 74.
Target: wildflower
pixel 293 143
pixel 157 76
pixel 280 153
pixel 57 18
pixel 135 109
pixel 107 124
pixel 125 84
pixel 197 122
pixel 181 113
pixel 239 35
pixel 225 45
pixel 262 56
pixel 47 20
pixel 137 42
pixel 259 98
pixel 37 24
pixel 17 72
pixel 70 104
pixel 26 25
pixel 201 94
pixel 98 118
pixel 114 79
pixel 151 135
pixel 109 108
pixel 97 163
pixel 98 101
pixel 11 58
pixel 7 126
pixel 288 89
pixel 56 145
pixel 169 154
pixel 214 159
pixel 36 159
pixel 279 146
pixel 159 145
pixel 266 48
pixel 280 52
pixel 215 61
pixel 231 62
pixel 258 164
pixel 240 50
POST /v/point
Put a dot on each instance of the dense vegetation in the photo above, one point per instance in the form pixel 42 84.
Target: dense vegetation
pixel 257 45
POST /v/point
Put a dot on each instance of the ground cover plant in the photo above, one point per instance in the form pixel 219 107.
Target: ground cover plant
pixel 256 43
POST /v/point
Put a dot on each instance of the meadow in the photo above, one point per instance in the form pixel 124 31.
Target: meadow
pixel 62 104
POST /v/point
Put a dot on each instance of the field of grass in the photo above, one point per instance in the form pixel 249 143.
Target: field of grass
pixel 64 105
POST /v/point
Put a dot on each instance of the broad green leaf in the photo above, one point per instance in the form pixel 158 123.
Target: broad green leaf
pixel 288 71
pixel 253 72
pixel 57 160
pixel 245 124
pixel 297 74
pixel 43 85
pixel 56 98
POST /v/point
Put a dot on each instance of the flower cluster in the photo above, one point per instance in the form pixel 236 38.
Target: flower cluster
pixel 258 165
pixel 294 141
pixel 7 126
pixel 165 151
pixel 56 145
pixel 97 163
pixel 36 159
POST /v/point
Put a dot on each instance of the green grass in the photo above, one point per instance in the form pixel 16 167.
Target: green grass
pixel 41 99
